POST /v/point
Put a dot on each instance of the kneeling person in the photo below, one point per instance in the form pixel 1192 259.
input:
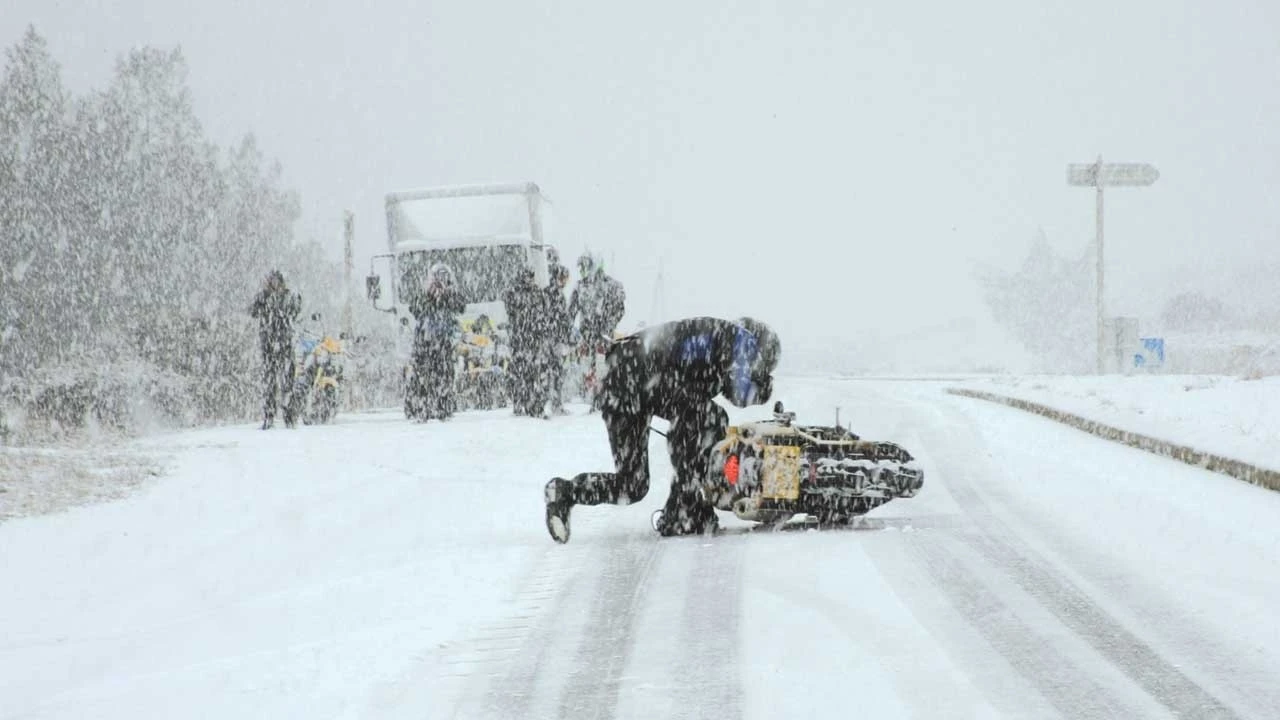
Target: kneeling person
pixel 673 371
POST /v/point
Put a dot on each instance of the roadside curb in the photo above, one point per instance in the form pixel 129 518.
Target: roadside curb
pixel 1240 470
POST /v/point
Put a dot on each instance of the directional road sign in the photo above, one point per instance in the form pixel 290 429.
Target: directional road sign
pixel 1111 174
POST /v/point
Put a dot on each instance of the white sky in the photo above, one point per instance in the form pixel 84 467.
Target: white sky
pixel 857 158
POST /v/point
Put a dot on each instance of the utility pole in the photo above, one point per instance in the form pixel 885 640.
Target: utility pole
pixel 348 262
pixel 1098 176
pixel 658 310
pixel 1101 319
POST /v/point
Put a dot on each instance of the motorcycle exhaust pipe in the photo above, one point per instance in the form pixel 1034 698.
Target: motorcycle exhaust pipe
pixel 747 508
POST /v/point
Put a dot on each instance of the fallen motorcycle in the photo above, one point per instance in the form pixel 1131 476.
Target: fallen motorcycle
pixel 771 471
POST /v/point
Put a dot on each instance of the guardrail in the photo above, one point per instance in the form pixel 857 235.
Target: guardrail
pixel 1238 469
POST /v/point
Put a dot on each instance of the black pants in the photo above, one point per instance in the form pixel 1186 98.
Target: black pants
pixel 552 372
pixel 528 391
pixel 697 424
pixel 434 370
pixel 277 381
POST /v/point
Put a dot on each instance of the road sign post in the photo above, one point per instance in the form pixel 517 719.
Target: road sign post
pixel 1099 176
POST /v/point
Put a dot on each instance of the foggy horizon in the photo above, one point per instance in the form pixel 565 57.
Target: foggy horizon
pixel 841 173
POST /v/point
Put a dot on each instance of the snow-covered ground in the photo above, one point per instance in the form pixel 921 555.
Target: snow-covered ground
pixel 1231 416
pixel 378 568
pixel 37 480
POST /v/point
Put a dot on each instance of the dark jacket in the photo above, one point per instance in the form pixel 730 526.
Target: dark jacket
pixel 276 309
pixel 559 324
pixel 689 362
pixel 600 300
pixel 436 312
pixel 524 302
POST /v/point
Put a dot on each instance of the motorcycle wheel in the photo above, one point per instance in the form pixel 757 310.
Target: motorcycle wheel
pixel 328 405
pixel 656 519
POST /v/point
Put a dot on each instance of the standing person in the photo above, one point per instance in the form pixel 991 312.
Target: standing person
pixel 556 339
pixel 525 314
pixel 276 308
pixel 673 371
pixel 435 344
pixel 596 306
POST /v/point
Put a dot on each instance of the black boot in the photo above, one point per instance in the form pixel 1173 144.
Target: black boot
pixel 559 498
pixel 684 515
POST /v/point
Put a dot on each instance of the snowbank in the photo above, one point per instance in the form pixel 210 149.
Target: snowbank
pixel 52 478
pixel 1233 417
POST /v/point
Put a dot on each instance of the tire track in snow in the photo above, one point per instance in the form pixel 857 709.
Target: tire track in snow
pixel 709 631
pixel 511 690
pixel 1254 694
pixel 1067 687
pixel 507 667
pixel 593 684
pixel 1165 683
pixel 996 542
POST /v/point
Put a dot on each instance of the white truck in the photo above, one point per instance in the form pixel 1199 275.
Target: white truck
pixel 485 233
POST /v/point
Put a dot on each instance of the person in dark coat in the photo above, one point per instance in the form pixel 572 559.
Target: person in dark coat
pixel 526 316
pixel 598 302
pixel 556 337
pixel 436 309
pixel 596 306
pixel 672 371
pixel 276 309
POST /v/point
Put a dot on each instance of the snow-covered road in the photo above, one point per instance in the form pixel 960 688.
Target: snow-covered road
pixel 377 568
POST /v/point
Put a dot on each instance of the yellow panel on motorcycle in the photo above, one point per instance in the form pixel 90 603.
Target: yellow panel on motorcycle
pixel 780 472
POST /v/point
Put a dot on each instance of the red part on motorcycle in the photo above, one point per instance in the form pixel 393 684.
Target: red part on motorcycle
pixel 731 469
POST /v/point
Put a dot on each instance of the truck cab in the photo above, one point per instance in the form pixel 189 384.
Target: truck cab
pixel 485 233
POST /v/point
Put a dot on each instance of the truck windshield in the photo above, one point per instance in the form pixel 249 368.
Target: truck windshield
pixel 482 273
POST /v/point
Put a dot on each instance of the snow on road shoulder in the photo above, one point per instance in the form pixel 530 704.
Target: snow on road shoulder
pixel 307 572
pixel 43 480
pixel 1234 417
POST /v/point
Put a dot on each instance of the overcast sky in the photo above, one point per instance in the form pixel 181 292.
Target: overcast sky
pixel 828 166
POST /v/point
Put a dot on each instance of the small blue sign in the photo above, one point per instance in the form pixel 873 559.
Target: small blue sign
pixel 1152 355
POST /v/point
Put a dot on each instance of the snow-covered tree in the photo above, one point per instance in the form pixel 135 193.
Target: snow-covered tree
pixel 35 155
pixel 131 246
pixel 1194 310
pixel 1047 304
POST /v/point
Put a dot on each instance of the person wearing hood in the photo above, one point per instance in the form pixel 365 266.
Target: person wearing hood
pixel 672 371
pixel 276 309
pixel 436 310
